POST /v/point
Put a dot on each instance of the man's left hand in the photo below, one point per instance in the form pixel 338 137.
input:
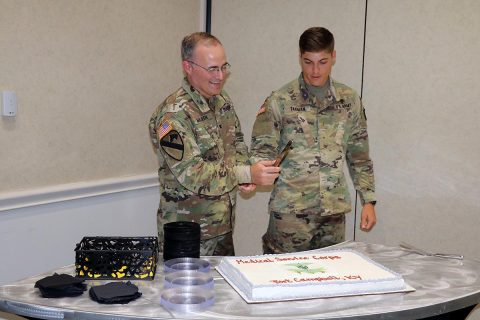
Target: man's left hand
pixel 368 219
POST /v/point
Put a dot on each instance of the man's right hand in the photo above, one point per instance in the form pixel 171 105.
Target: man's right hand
pixel 264 173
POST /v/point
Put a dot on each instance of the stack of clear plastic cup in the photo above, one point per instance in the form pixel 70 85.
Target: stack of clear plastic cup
pixel 188 285
pixel 183 264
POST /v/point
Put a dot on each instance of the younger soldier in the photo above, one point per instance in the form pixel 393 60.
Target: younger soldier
pixel 325 120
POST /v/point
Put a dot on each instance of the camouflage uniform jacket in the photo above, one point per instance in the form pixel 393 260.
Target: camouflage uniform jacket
pixel 202 157
pixel 325 134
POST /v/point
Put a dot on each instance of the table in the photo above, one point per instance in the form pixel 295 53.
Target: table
pixel 445 289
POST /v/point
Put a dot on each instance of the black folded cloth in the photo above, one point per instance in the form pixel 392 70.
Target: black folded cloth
pixel 60 285
pixel 115 292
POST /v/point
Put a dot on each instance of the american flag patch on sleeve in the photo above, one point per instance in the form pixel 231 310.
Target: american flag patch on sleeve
pixel 165 128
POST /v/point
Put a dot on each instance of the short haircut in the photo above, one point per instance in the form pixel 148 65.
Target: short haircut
pixel 190 42
pixel 316 39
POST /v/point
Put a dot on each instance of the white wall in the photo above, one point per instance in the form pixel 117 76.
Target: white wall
pixel 88 74
pixel 421 75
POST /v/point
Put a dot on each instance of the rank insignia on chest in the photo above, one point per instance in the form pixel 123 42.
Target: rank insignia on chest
pixel 172 144
pixel 304 94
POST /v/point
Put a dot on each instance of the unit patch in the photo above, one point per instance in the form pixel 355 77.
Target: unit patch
pixel 172 144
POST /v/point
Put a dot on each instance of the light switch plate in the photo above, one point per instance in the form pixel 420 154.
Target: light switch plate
pixel 9 104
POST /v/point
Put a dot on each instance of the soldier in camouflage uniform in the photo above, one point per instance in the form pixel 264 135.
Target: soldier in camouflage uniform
pixel 201 151
pixel 325 120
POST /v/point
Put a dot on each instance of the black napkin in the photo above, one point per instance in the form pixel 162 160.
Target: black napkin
pixel 115 292
pixel 60 285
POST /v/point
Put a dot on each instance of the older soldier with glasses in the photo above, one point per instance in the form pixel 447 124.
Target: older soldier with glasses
pixel 202 154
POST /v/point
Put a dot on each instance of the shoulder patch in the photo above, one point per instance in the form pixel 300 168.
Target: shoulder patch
pixel 172 144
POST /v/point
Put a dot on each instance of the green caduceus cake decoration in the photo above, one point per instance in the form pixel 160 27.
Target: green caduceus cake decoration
pixel 304 268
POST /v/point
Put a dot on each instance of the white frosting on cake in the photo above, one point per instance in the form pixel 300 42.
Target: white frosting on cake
pixel 308 275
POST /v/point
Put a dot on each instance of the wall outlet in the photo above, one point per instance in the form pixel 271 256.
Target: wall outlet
pixel 9 104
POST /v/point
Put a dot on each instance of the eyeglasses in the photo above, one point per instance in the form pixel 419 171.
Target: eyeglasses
pixel 225 68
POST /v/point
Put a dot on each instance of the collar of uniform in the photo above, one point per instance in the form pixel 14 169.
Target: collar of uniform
pixel 307 96
pixel 199 100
